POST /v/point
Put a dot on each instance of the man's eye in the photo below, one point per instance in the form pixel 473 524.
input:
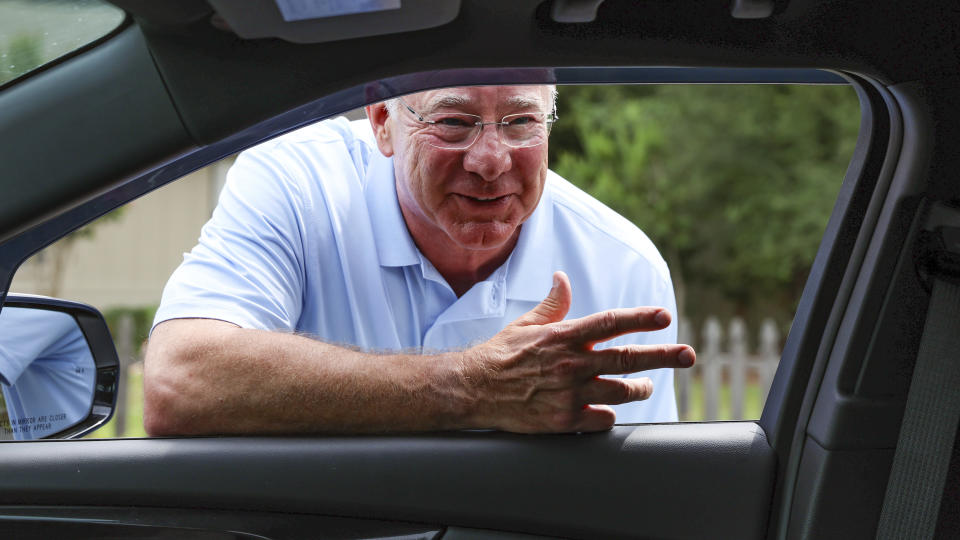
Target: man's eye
pixel 524 120
pixel 453 121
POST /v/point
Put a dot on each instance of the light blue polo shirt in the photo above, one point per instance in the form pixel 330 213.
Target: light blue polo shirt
pixel 308 237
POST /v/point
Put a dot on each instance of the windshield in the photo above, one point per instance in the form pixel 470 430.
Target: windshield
pixel 35 32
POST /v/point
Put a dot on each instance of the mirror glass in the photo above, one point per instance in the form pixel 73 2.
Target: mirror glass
pixel 47 373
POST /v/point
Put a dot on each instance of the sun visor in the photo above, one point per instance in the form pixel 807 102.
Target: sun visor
pixel 318 21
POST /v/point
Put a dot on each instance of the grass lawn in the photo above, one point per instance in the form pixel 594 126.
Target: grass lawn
pixel 752 406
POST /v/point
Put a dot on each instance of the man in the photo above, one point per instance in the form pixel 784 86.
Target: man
pixel 408 247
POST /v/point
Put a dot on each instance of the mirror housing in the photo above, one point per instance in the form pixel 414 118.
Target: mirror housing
pixel 64 341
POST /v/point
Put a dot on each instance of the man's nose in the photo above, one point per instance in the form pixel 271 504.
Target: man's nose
pixel 488 157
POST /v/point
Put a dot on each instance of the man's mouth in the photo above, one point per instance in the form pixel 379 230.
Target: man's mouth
pixel 485 199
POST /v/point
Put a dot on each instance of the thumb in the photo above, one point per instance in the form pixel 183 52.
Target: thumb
pixel 554 307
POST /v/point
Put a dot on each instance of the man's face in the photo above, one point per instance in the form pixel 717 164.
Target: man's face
pixel 478 197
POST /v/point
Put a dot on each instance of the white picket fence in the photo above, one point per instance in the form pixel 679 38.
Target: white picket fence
pixel 724 360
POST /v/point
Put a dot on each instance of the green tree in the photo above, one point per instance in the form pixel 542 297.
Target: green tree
pixel 734 184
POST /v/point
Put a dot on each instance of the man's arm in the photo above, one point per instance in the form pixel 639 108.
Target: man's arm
pixel 537 375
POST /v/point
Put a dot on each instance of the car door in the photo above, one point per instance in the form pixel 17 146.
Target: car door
pixel 169 92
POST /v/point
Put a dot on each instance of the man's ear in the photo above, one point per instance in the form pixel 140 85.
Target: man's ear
pixel 382 126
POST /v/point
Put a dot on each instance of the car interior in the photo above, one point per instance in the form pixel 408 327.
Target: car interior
pixel 858 436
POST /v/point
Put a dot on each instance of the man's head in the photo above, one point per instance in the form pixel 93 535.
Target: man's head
pixel 476 197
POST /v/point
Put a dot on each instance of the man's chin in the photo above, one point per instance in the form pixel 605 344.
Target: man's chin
pixel 485 236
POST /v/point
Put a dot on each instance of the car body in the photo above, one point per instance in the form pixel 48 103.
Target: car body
pixel 169 91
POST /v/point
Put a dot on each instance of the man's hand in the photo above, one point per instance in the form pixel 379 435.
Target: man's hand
pixel 540 374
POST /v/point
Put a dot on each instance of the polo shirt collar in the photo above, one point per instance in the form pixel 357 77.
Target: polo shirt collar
pixel 530 271
pixel 395 246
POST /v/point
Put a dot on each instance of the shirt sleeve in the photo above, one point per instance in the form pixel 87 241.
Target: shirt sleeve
pixel 29 334
pixel 247 268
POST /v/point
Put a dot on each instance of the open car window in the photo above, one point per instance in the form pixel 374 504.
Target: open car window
pixel 35 32
pixel 733 184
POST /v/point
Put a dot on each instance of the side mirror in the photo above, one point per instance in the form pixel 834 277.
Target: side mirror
pixel 58 369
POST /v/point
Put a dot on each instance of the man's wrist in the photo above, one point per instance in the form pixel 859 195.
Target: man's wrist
pixel 470 379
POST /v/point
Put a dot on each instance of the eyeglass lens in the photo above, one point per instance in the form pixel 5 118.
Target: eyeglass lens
pixel 458 131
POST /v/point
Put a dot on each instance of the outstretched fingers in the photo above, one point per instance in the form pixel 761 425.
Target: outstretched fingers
pixel 606 325
pixel 634 358
pixel 596 395
pixel 595 418
pixel 617 391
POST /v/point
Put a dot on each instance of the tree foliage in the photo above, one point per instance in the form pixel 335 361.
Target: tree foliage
pixel 733 183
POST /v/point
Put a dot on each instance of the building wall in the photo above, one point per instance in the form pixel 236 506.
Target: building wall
pixel 126 259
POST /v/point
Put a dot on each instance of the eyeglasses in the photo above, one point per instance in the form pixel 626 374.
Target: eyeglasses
pixel 457 131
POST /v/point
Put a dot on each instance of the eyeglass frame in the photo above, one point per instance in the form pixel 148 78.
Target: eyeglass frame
pixel 551 117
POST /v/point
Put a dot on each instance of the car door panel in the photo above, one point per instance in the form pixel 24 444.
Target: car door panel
pixel 660 480
pixel 88 522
